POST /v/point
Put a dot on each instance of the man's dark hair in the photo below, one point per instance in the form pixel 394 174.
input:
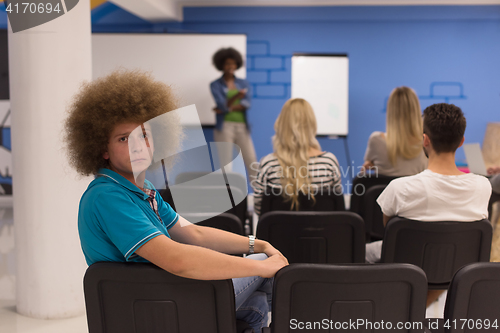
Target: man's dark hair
pixel 445 125
pixel 220 57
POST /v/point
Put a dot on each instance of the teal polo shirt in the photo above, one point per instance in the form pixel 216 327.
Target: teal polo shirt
pixel 115 219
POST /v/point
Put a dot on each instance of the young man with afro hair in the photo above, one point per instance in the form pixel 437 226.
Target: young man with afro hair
pixel 122 218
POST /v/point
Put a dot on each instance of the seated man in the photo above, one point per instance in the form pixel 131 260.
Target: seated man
pixel 123 219
pixel 441 192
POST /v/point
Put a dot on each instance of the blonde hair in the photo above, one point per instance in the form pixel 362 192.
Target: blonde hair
pixel 403 124
pixel 295 133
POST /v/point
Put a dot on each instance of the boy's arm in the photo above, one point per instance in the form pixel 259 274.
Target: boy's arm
pixel 204 264
pixel 216 239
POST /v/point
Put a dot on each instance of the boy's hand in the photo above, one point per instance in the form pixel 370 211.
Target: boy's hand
pixel 270 250
pixel 273 264
pixel 262 246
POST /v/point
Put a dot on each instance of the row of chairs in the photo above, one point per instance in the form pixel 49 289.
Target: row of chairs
pixel 140 298
pixel 364 192
pixel 326 200
pixel 439 248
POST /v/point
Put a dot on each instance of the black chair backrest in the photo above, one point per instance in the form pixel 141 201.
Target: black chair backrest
pixel 327 199
pixel 474 295
pixel 360 186
pixel 225 221
pixel 315 237
pixel 338 294
pixel 142 298
pixel 439 248
pixel 374 222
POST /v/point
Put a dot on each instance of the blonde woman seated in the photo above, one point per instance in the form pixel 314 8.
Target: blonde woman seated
pixel 297 165
pixel 398 152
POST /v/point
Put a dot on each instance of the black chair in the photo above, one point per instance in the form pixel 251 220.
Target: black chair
pixel 224 221
pixel 474 295
pixel 326 200
pixel 338 294
pixel 439 248
pixel 373 217
pixel 315 237
pixel 360 186
pixel 142 298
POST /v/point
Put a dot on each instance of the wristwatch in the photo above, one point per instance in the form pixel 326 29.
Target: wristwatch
pixel 251 243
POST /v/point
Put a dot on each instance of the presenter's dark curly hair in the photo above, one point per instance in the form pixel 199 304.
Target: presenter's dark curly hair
pixel 445 125
pixel 221 55
pixel 124 96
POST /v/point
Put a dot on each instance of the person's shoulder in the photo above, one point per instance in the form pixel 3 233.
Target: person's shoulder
pixel 105 189
pixel 328 156
pixel 99 185
pixel 99 193
pixel 268 158
pixel 377 135
pixel 267 162
pixel 376 140
pixel 481 181
pixel 216 81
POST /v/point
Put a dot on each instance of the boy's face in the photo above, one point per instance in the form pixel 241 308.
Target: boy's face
pixel 130 149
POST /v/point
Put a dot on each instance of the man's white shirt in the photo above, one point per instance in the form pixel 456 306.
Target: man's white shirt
pixel 430 196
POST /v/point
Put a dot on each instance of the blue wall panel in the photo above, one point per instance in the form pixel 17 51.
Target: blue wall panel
pixel 446 53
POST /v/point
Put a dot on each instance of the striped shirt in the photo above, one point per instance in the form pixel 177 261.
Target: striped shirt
pixel 323 170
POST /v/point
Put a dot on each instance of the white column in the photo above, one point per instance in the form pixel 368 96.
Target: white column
pixel 47 64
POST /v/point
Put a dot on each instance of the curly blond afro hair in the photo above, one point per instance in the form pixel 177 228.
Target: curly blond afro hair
pixel 124 96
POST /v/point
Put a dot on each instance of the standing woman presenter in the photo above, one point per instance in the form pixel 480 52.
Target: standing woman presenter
pixel 232 97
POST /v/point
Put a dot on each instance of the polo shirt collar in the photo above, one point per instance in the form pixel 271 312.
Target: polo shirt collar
pixel 111 176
